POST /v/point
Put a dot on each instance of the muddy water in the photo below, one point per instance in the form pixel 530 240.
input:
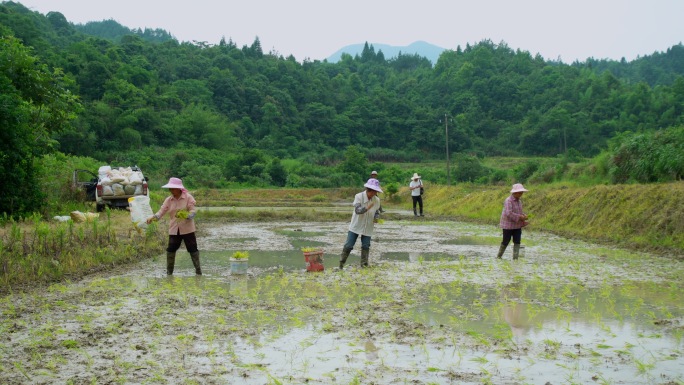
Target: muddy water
pixel 435 307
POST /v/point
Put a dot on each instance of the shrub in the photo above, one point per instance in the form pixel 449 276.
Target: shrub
pixel 648 157
pixel 524 171
pixel 498 176
pixel 391 189
pixel 469 169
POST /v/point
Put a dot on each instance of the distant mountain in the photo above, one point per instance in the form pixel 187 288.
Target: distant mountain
pixel 427 50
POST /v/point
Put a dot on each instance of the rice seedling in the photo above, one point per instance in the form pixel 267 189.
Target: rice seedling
pixel 642 366
pixel 22 370
pixel 70 344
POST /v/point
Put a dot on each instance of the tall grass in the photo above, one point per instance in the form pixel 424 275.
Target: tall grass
pixel 33 251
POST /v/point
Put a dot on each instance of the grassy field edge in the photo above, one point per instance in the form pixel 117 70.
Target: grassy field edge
pixel 635 216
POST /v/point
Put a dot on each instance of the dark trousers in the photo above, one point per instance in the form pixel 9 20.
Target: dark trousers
pixel 419 200
pixel 351 240
pixel 175 242
pixel 516 234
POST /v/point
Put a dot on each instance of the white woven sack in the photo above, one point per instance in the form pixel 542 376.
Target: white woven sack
pixel 118 189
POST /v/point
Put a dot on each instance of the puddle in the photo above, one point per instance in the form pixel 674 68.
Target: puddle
pixel 471 240
pixel 417 257
pixel 432 309
pixel 217 263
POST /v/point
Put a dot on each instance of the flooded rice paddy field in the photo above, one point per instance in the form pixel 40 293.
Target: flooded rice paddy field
pixel 435 307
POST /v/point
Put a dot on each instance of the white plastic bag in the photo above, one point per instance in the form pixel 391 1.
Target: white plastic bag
pixel 117 178
pixel 136 178
pixel 140 210
pixel 107 190
pixel 104 170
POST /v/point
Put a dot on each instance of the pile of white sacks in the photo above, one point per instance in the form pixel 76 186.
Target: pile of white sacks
pixel 120 181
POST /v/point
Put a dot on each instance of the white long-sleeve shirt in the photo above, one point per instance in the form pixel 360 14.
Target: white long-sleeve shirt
pixel 363 220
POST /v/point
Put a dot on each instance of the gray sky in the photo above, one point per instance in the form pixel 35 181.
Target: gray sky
pixel 315 29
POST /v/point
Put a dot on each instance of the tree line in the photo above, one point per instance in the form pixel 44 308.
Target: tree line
pixel 144 96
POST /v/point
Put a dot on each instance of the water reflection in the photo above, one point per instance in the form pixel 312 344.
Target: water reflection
pixel 371 350
pixel 473 240
pixel 413 257
pixel 239 287
pixel 515 314
pixel 417 257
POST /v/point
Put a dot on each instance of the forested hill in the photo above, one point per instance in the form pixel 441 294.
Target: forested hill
pixel 139 91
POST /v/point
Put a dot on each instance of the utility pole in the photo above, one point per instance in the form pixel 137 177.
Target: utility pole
pixel 446 130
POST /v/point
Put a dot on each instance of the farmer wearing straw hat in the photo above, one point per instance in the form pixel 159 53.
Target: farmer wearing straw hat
pixel 366 206
pixel 416 187
pixel 181 208
pixel 513 219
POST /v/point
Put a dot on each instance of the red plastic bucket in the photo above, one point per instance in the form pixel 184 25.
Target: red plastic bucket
pixel 314 260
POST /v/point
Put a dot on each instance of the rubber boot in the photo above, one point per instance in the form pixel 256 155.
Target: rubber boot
pixel 170 262
pixel 364 257
pixel 502 249
pixel 196 262
pixel 344 256
pixel 516 251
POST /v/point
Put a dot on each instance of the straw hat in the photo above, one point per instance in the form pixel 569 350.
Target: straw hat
pixel 374 172
pixel 174 183
pixel 518 187
pixel 415 176
pixel 373 184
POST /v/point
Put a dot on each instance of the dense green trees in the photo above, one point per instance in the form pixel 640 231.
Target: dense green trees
pixel 34 104
pixel 143 91
pixel 503 101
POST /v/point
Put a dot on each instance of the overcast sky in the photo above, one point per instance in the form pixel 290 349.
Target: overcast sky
pixel 315 29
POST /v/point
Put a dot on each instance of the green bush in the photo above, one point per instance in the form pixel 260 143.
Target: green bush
pixel 470 169
pixel 498 176
pixel 648 157
pixel 391 189
pixel 523 172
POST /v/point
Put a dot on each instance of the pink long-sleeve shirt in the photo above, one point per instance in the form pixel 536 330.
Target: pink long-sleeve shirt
pixel 511 215
pixel 172 205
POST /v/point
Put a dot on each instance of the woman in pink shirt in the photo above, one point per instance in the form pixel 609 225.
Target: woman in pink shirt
pixel 181 208
pixel 513 219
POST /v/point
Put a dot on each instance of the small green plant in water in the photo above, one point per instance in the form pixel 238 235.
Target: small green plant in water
pixel 240 255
